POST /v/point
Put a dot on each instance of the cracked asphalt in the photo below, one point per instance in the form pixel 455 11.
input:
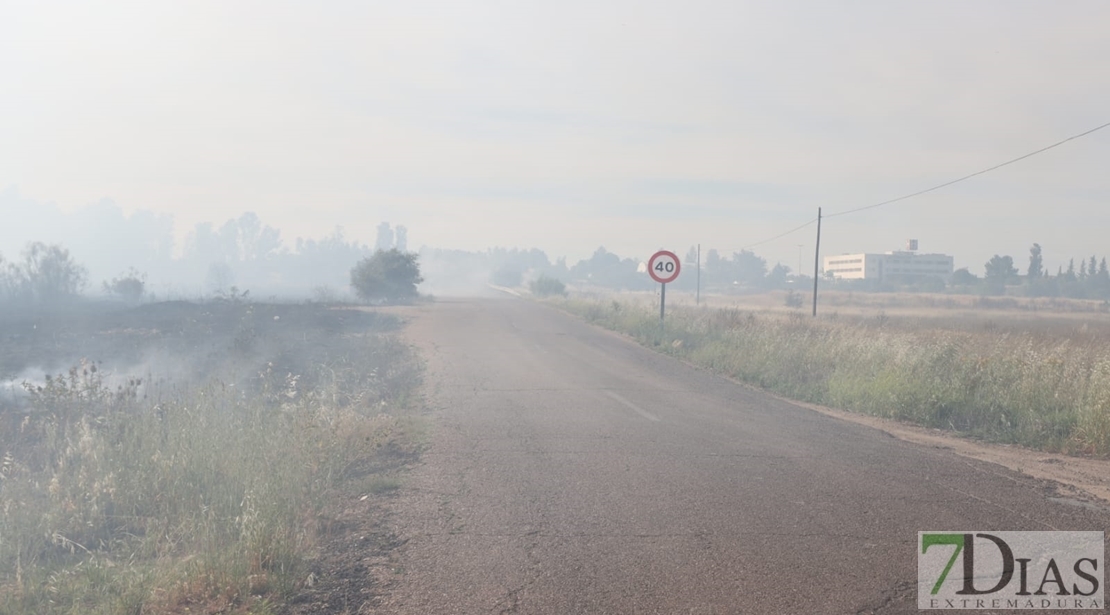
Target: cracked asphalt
pixel 572 471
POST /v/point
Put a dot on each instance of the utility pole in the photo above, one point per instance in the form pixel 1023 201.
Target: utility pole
pixel 697 294
pixel 800 246
pixel 816 262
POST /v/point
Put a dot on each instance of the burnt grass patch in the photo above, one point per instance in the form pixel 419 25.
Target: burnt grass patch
pixel 218 457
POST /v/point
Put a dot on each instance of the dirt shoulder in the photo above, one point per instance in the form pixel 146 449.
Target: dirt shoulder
pixel 1088 478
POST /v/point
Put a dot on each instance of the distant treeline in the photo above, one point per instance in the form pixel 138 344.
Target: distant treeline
pixel 136 259
pixel 1091 280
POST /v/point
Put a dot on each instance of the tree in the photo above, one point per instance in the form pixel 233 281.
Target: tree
pixel 1000 269
pixel 609 270
pixel 47 274
pixel 1036 263
pixel 253 241
pixel 712 260
pixel 1100 280
pixel 963 277
pixel 778 275
pixel 1069 275
pixel 748 268
pixel 388 276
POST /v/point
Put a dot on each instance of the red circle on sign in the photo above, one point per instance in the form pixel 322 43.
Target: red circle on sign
pixel 663 266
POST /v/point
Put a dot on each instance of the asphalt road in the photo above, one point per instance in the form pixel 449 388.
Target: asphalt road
pixel 572 471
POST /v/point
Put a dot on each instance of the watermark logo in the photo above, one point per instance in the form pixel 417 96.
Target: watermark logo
pixel 1010 570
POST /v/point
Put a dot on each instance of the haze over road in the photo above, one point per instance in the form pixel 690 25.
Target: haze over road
pixel 572 471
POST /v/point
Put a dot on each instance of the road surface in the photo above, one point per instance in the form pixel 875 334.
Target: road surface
pixel 572 471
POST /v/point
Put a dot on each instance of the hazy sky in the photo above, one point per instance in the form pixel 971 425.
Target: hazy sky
pixel 572 124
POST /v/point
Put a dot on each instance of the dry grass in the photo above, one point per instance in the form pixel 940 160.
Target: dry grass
pixel 179 496
pixel 1042 384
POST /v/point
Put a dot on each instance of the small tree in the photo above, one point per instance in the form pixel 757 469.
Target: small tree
pixel 545 286
pixel 389 275
pixel 128 286
pixel 1036 264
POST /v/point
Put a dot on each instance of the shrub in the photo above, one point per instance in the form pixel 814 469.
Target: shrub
pixel 545 286
pixel 129 286
pixel 387 276
pixel 794 299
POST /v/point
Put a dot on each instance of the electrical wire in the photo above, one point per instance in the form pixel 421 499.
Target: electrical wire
pixel 934 188
pixel 779 236
pixel 975 174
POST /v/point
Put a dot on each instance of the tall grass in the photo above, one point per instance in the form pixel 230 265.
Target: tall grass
pixel 158 498
pixel 1029 389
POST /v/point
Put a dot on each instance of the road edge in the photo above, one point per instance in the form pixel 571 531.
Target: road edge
pixel 1086 479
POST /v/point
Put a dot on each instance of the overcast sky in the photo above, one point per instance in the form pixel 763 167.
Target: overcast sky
pixel 572 124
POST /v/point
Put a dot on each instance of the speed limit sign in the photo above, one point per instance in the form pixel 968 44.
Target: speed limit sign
pixel 663 266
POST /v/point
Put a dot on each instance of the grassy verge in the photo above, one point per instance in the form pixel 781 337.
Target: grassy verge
pixel 1029 389
pixel 179 495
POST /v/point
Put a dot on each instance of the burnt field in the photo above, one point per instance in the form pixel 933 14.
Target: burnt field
pixel 188 341
pixel 181 456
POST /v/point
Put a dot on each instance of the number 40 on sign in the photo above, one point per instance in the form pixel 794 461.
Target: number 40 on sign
pixel 663 267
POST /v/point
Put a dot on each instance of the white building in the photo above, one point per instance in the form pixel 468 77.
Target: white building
pixel 899 264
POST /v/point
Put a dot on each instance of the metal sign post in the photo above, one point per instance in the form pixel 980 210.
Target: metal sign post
pixel 662 303
pixel 663 267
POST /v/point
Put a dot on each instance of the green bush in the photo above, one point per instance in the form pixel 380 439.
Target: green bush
pixel 545 286
pixel 388 276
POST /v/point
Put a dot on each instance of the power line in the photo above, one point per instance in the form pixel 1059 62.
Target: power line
pixel 977 173
pixel 779 236
pixel 937 187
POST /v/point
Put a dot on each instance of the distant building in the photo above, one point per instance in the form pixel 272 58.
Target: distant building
pixel 900 264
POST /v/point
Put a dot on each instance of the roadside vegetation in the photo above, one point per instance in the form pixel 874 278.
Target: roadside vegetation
pixel 545 286
pixel 198 488
pixel 388 276
pixel 1047 390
